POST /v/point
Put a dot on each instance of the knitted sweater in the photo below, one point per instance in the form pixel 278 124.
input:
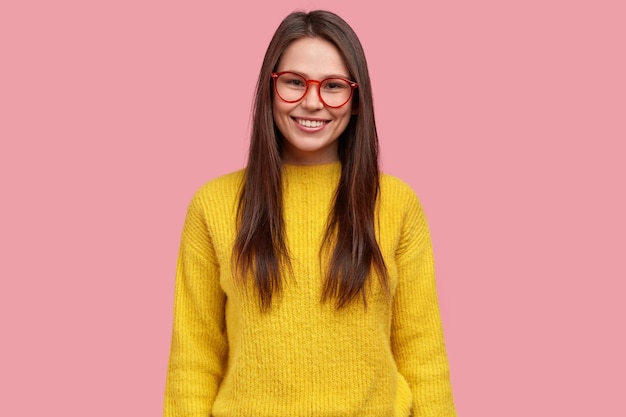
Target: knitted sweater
pixel 304 357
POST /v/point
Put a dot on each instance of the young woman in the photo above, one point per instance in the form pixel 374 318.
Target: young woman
pixel 305 282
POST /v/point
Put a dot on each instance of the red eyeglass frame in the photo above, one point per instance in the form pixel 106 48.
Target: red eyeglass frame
pixel 352 84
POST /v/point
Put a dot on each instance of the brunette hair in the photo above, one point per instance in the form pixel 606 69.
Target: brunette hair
pixel 260 248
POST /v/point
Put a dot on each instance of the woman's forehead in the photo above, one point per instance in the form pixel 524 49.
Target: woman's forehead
pixel 313 58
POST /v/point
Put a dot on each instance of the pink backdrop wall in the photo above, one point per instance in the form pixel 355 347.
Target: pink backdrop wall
pixel 507 117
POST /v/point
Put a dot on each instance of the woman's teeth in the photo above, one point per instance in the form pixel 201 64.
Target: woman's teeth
pixel 310 123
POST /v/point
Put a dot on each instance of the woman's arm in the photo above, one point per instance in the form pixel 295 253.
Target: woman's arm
pixel 199 345
pixel 417 336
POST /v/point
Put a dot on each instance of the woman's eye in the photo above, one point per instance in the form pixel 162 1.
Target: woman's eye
pixel 294 82
pixel 334 85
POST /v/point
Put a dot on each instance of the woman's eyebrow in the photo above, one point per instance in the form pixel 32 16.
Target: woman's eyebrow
pixel 322 78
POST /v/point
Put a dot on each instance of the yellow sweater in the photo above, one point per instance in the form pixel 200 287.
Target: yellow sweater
pixel 305 358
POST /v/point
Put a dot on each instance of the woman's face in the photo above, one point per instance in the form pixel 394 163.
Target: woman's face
pixel 315 59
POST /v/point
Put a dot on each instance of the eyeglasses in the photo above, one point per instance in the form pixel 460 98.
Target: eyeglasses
pixel 333 92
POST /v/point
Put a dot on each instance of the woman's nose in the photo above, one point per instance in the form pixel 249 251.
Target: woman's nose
pixel 312 99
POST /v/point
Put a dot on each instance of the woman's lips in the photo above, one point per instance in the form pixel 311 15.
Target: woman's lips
pixel 310 125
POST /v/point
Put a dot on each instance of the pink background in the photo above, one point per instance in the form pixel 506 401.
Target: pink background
pixel 507 117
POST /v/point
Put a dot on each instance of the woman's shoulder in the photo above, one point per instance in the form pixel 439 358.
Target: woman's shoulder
pixel 222 188
pixel 231 181
pixel 399 204
pixel 394 189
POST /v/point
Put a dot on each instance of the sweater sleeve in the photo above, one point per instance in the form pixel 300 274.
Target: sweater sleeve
pixel 199 344
pixel 417 335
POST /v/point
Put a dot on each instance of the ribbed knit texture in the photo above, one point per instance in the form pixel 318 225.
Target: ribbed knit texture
pixel 304 357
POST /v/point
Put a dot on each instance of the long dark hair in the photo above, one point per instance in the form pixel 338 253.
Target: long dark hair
pixel 260 248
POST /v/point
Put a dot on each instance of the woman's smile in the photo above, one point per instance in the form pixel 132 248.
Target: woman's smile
pixel 310 125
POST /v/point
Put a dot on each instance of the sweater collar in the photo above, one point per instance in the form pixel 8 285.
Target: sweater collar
pixel 312 173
